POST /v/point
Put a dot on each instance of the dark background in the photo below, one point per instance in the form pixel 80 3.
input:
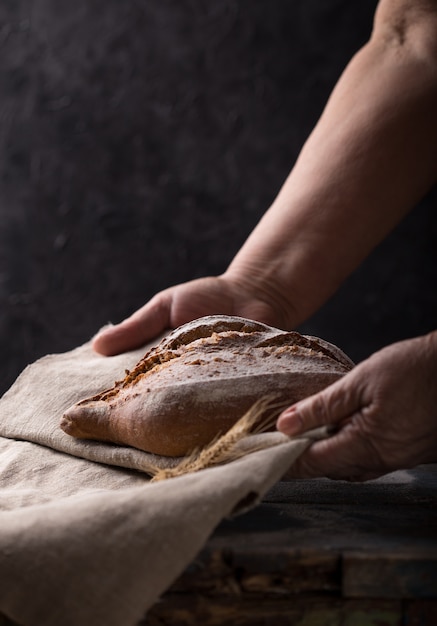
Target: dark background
pixel 142 140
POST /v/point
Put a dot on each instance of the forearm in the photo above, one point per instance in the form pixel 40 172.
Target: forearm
pixel 371 157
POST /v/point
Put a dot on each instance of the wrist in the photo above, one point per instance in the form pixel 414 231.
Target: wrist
pixel 257 281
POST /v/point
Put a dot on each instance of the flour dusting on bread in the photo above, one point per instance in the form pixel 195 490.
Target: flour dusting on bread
pixel 200 379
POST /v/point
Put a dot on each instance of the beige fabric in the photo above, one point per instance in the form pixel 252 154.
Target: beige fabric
pixel 85 539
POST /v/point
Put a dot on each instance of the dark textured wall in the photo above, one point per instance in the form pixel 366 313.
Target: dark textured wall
pixel 141 141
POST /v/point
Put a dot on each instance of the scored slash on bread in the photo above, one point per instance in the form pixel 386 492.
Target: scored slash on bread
pixel 200 379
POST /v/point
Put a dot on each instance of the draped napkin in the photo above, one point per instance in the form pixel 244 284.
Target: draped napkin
pixel 85 536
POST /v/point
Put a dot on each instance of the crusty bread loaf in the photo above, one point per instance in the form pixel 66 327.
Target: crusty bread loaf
pixel 200 380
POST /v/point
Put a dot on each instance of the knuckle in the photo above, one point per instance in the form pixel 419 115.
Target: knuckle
pixel 320 409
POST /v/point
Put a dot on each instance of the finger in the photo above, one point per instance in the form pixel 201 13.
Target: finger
pixel 333 405
pixel 145 324
pixel 346 455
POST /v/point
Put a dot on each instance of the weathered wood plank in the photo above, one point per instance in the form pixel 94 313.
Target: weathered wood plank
pixel 363 555
pixel 340 527
pixel 181 610
pixel 420 613
pixel 261 569
pixel 390 575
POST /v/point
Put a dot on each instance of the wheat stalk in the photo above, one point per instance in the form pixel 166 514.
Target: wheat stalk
pixel 223 447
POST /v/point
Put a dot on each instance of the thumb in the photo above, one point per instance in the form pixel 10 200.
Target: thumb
pixel 333 405
pixel 143 325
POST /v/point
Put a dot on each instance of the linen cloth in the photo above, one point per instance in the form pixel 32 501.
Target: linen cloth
pixel 85 538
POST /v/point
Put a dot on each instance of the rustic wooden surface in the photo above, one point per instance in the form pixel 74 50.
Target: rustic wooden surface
pixel 318 553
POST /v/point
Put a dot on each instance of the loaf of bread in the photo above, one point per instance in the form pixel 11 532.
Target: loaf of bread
pixel 200 380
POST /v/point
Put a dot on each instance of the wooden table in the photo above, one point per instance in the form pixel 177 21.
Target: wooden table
pixel 318 553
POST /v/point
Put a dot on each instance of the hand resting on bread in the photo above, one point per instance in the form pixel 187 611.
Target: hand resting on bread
pixel 369 160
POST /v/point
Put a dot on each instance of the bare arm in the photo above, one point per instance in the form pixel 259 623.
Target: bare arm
pixel 370 158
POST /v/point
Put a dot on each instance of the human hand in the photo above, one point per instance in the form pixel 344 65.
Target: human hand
pixel 385 410
pixel 180 304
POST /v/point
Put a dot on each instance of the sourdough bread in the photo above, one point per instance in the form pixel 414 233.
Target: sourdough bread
pixel 200 379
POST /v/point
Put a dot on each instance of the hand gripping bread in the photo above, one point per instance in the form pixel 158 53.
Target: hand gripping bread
pixel 200 380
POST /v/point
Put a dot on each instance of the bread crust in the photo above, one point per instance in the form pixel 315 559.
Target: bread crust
pixel 200 379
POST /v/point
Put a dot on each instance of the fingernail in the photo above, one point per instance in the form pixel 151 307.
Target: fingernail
pixel 288 422
pixel 104 331
pixel 291 410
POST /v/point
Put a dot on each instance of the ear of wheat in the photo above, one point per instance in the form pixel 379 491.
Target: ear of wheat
pixel 259 418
